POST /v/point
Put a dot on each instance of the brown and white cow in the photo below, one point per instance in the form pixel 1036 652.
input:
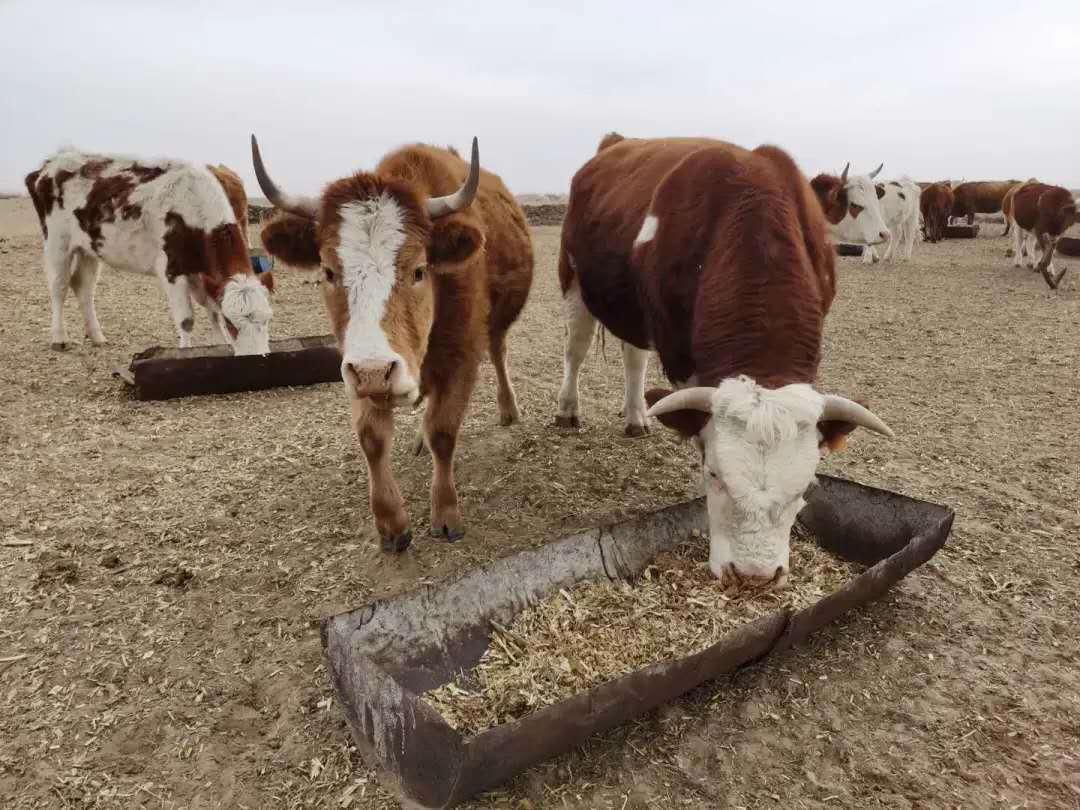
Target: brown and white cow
pixel 1040 214
pixel 156 217
pixel 980 197
pixel 718 258
pixel 427 262
pixel 935 205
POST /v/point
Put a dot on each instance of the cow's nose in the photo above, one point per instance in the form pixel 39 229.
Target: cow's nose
pixel 733 575
pixel 369 379
pixel 885 235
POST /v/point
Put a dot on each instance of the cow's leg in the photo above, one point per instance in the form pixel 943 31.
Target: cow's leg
pixel 178 294
pixel 507 399
pixel 84 281
pixel 635 364
pixel 1030 243
pixel 1018 246
pixel 442 421
pixel 58 266
pixel 869 255
pixel 374 428
pixel 580 329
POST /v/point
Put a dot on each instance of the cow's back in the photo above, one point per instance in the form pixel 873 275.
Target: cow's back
pixel 609 197
pixel 234 190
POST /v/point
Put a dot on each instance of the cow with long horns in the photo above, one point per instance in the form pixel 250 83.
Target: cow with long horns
pixel 426 263
pixel 1040 214
pixel 718 258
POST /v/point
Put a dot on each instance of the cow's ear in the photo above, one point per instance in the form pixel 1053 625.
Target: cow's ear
pixel 687 422
pixel 293 240
pixel 833 435
pixel 453 241
pixel 267 280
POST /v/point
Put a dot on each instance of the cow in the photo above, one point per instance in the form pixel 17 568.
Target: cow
pixel 935 205
pixel 851 207
pixel 427 261
pixel 717 258
pixel 166 218
pixel 1006 208
pixel 1040 214
pixel 980 197
pixel 899 202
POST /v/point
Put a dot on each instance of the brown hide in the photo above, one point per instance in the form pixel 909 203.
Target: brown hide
pixel 935 203
pixel 234 189
pixel 982 197
pixel 832 195
pixel 739 275
pixel 1043 209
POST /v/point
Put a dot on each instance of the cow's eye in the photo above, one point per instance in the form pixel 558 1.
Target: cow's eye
pixel 329 274
pixel 855 210
pixel 419 273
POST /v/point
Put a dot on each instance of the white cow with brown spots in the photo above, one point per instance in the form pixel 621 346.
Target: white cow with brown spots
pixel 166 218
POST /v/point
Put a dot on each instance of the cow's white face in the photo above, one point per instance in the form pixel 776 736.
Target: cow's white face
pixel 760 456
pixel 864 223
pixel 245 302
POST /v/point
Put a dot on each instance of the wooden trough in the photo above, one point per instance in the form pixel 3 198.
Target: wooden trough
pixel 160 373
pixel 961 231
pixel 384 655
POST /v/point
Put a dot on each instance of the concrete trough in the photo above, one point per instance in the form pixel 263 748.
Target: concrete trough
pixel 848 249
pixel 384 655
pixel 160 373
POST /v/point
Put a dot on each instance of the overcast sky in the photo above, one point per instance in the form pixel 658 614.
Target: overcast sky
pixel 933 89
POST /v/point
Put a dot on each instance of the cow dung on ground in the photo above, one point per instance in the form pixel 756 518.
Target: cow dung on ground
pixel 958 689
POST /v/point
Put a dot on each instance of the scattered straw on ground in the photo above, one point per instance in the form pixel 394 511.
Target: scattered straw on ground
pixel 599 630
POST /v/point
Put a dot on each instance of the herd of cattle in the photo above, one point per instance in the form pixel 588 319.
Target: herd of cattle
pixel 719 259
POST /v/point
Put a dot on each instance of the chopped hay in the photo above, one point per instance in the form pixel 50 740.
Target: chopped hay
pixel 597 631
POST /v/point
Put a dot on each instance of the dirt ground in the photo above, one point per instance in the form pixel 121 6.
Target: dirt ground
pixel 164 566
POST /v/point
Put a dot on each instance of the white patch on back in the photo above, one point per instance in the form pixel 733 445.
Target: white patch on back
pixel 371 234
pixel 648 230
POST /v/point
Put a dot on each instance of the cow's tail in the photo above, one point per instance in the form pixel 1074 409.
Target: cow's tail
pixel 39 206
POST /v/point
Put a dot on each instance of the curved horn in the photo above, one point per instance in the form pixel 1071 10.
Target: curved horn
pixel 441 206
pixel 843 176
pixel 697 399
pixel 877 171
pixel 841 409
pixel 305 207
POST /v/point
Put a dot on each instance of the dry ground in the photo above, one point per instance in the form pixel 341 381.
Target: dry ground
pixel 123 683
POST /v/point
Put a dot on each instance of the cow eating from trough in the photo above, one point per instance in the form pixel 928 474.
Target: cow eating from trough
pixel 935 205
pixel 718 258
pixel 166 218
pixel 852 207
pixel 1040 214
pixel 426 262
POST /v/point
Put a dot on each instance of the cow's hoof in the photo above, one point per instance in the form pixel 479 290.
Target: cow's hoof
pixel 418 444
pixel 446 534
pixel 567 422
pixel 634 431
pixel 58 347
pixel 508 419
pixel 399 543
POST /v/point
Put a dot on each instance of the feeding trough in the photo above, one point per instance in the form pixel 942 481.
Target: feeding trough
pixel 166 373
pixel 848 249
pixel 1068 246
pixel 383 656
pixel 961 231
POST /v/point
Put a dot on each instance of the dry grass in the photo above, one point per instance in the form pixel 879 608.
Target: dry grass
pixel 597 631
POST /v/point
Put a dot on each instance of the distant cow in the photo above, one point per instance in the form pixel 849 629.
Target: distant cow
pixel 166 218
pixel 718 258
pixel 851 206
pixel 427 261
pixel 899 201
pixel 984 197
pixel 1040 214
pixel 935 204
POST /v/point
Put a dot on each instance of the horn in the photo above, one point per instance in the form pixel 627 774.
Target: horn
pixel 877 171
pixel 696 399
pixel 843 175
pixel 441 206
pixel 305 207
pixel 841 409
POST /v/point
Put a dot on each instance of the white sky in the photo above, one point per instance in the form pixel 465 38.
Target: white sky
pixel 933 89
